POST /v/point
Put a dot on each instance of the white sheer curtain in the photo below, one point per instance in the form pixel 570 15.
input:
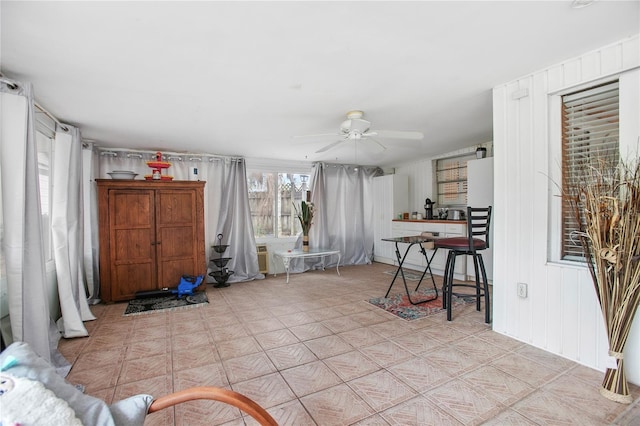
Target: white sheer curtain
pixel 343 198
pixel 226 200
pixel 23 266
pixel 67 224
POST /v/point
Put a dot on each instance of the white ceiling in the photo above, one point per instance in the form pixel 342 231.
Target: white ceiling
pixel 242 78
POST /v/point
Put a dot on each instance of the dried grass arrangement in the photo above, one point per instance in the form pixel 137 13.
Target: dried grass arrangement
pixel 606 203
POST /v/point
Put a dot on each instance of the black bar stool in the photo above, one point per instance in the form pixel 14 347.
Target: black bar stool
pixel 478 221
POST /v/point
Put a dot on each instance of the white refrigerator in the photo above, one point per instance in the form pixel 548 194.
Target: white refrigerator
pixel 480 194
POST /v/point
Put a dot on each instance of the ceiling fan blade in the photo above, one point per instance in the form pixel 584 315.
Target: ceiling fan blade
pixel 396 134
pixel 328 147
pixel 320 135
pixel 384 148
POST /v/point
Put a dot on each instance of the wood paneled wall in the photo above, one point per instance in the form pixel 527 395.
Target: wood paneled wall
pixel 561 313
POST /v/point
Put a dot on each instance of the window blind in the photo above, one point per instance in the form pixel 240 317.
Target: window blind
pixel 590 132
pixel 451 177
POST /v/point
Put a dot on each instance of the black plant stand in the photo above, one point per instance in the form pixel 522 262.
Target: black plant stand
pixel 222 274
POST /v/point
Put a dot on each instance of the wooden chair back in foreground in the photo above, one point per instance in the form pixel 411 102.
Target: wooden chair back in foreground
pixel 216 394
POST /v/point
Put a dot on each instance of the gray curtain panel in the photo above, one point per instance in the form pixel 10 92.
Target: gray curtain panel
pixel 67 232
pixel 228 187
pixel 90 218
pixel 343 220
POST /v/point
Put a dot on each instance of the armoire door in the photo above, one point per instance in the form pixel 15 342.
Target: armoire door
pixel 133 242
pixel 176 228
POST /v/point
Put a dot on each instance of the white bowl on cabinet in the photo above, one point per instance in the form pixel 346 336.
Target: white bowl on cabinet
pixel 122 174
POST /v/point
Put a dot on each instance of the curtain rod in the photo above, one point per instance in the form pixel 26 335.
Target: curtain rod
pixel 191 156
pixel 13 85
pixel 48 114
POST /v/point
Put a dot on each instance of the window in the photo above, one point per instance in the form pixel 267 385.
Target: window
pixel 590 131
pixel 451 180
pixel 271 199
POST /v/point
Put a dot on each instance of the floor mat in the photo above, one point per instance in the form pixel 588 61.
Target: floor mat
pixel 400 306
pixel 163 303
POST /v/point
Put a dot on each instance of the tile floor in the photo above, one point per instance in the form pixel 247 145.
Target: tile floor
pixel 313 352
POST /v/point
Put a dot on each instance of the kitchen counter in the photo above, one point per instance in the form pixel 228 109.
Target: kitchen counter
pixel 463 222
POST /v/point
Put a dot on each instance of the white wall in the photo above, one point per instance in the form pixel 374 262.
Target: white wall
pixel 420 175
pixel 561 314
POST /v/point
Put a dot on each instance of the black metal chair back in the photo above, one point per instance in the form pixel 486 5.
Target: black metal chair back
pixel 478 224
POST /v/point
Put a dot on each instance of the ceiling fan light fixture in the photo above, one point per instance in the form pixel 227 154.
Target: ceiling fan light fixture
pixel 579 4
pixel 355 114
pixel 355 125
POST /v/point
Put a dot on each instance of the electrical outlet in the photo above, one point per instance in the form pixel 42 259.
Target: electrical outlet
pixel 522 290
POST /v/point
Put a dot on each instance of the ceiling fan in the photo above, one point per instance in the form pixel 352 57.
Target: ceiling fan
pixel 355 128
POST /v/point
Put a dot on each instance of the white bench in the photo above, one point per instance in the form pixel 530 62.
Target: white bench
pixel 286 256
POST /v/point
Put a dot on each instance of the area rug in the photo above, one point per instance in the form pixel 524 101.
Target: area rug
pixel 400 306
pixel 409 275
pixel 163 303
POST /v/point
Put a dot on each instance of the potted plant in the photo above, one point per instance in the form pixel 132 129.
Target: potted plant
pixel 305 216
pixel 606 203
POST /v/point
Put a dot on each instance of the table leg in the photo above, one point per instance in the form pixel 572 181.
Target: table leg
pixel 400 260
pixel 404 280
pixel 286 261
pixel 338 264
pixel 428 268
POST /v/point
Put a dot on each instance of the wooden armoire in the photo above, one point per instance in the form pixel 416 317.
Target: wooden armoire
pixel 151 233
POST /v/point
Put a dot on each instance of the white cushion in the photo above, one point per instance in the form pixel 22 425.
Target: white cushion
pixel 89 410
